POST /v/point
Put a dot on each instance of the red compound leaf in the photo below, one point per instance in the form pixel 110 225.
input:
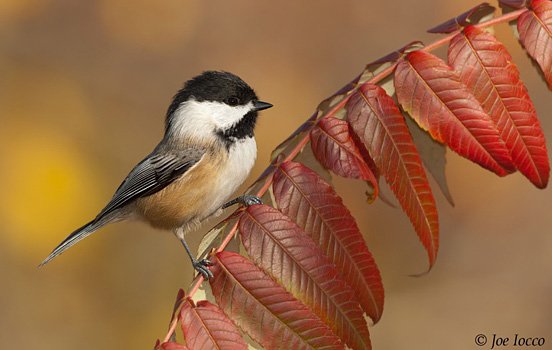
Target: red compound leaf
pixel 280 247
pixel 377 121
pixel 206 327
pixel 486 68
pixel 307 199
pixel 535 33
pixel 173 346
pixel 431 92
pixel 264 309
pixel 336 150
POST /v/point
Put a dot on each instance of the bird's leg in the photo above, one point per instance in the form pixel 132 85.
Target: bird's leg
pixel 245 199
pixel 201 266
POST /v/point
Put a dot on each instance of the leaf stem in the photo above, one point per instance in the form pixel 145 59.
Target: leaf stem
pixel 303 142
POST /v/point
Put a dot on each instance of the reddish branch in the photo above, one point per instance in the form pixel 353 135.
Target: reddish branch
pixel 295 151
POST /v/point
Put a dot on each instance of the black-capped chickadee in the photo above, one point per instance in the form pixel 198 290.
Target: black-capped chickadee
pixel 206 153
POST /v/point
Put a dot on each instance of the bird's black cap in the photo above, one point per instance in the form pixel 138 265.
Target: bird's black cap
pixel 214 86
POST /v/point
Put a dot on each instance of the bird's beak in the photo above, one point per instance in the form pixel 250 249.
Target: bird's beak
pixel 260 105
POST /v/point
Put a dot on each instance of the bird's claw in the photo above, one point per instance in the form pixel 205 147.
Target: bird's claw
pixel 206 262
pixel 249 200
pixel 246 200
pixel 202 266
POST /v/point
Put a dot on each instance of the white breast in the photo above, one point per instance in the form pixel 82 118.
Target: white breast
pixel 240 161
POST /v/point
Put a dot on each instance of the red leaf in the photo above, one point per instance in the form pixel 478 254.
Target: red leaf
pixel 173 346
pixel 206 327
pixel 431 92
pixel 471 16
pixel 486 67
pixel 264 309
pixel 535 33
pixel 280 247
pixel 335 149
pixel 378 122
pixel 312 203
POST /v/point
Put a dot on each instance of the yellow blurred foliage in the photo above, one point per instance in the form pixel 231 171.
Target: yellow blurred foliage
pixel 44 96
pixel 46 188
pixel 154 25
pixel 19 9
pixel 48 183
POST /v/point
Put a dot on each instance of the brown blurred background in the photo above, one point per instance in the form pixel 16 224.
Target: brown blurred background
pixel 83 90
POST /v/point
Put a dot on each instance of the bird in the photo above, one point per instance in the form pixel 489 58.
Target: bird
pixel 207 151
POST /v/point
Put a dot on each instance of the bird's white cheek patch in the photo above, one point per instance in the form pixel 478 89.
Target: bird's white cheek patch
pixel 225 116
pixel 191 121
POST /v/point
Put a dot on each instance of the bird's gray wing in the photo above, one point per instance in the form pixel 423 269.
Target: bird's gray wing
pixel 151 175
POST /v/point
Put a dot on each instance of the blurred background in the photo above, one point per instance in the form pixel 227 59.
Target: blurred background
pixel 84 86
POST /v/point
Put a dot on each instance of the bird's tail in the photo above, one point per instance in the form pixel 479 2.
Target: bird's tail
pixel 76 236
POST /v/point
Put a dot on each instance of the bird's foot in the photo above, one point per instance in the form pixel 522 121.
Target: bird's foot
pixel 202 266
pixel 249 200
pixel 245 200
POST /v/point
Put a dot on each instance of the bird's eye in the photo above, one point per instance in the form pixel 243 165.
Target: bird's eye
pixel 233 101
